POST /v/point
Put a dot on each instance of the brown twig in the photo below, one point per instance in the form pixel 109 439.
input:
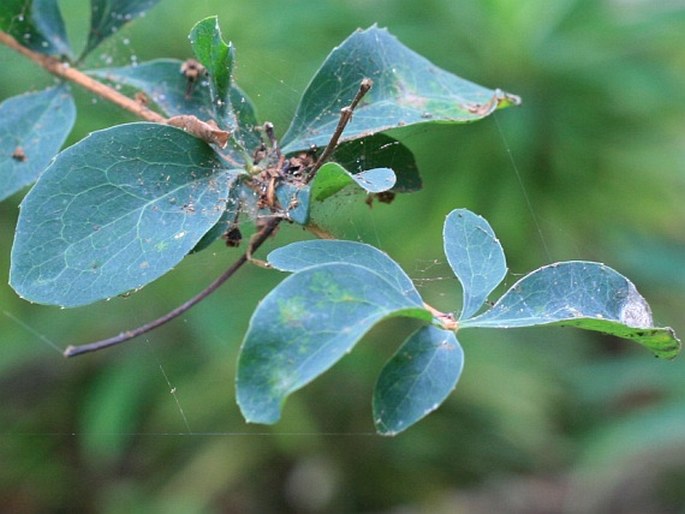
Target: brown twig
pixel 198 128
pixel 345 117
pixel 207 131
pixel 259 239
pixel 64 71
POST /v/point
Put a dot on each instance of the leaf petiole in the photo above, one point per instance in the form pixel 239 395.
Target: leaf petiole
pixel 447 319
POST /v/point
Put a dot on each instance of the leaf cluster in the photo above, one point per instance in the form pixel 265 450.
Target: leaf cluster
pixel 126 204
pixel 341 289
pixel 129 202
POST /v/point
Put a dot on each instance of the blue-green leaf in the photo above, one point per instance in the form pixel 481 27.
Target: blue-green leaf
pixel 227 220
pixel 244 111
pixel 294 200
pixel 108 16
pixel 36 24
pixel 417 379
pixel 162 81
pixel 476 257
pixel 407 89
pixel 217 57
pixel 332 177
pixel 581 294
pixel 304 326
pixel 380 151
pixel 304 254
pixel 114 212
pixel 33 127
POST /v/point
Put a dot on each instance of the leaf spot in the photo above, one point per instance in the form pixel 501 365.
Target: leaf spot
pixel 19 155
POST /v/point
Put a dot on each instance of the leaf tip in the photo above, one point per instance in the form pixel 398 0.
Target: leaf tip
pixel 672 350
pixel 383 429
pixel 258 416
pixel 505 99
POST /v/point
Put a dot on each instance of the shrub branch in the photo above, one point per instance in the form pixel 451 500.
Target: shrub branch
pixel 259 239
pixel 64 71
pixel 207 131
pixel 255 242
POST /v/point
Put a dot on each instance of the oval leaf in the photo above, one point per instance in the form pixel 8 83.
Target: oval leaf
pixel 476 257
pixel 36 24
pixel 582 294
pixel 304 254
pixel 332 177
pixel 227 221
pixel 217 57
pixel 407 89
pixel 417 379
pixel 114 212
pixel 304 326
pixel 108 16
pixel 245 125
pixel 33 128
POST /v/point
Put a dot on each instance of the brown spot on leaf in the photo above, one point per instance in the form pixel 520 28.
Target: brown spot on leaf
pixel 500 99
pixel 412 100
pixel 482 109
pixel 19 155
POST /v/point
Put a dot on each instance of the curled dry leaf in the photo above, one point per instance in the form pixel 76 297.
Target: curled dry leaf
pixel 206 130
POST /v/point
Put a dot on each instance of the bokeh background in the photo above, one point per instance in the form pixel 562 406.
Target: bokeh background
pixel 591 166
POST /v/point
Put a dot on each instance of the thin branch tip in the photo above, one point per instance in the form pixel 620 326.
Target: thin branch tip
pixel 259 239
pixel 345 117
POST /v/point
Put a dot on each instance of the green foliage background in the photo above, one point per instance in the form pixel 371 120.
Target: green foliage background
pixel 542 421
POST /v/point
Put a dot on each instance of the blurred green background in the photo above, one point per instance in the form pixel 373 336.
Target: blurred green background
pixel 592 166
